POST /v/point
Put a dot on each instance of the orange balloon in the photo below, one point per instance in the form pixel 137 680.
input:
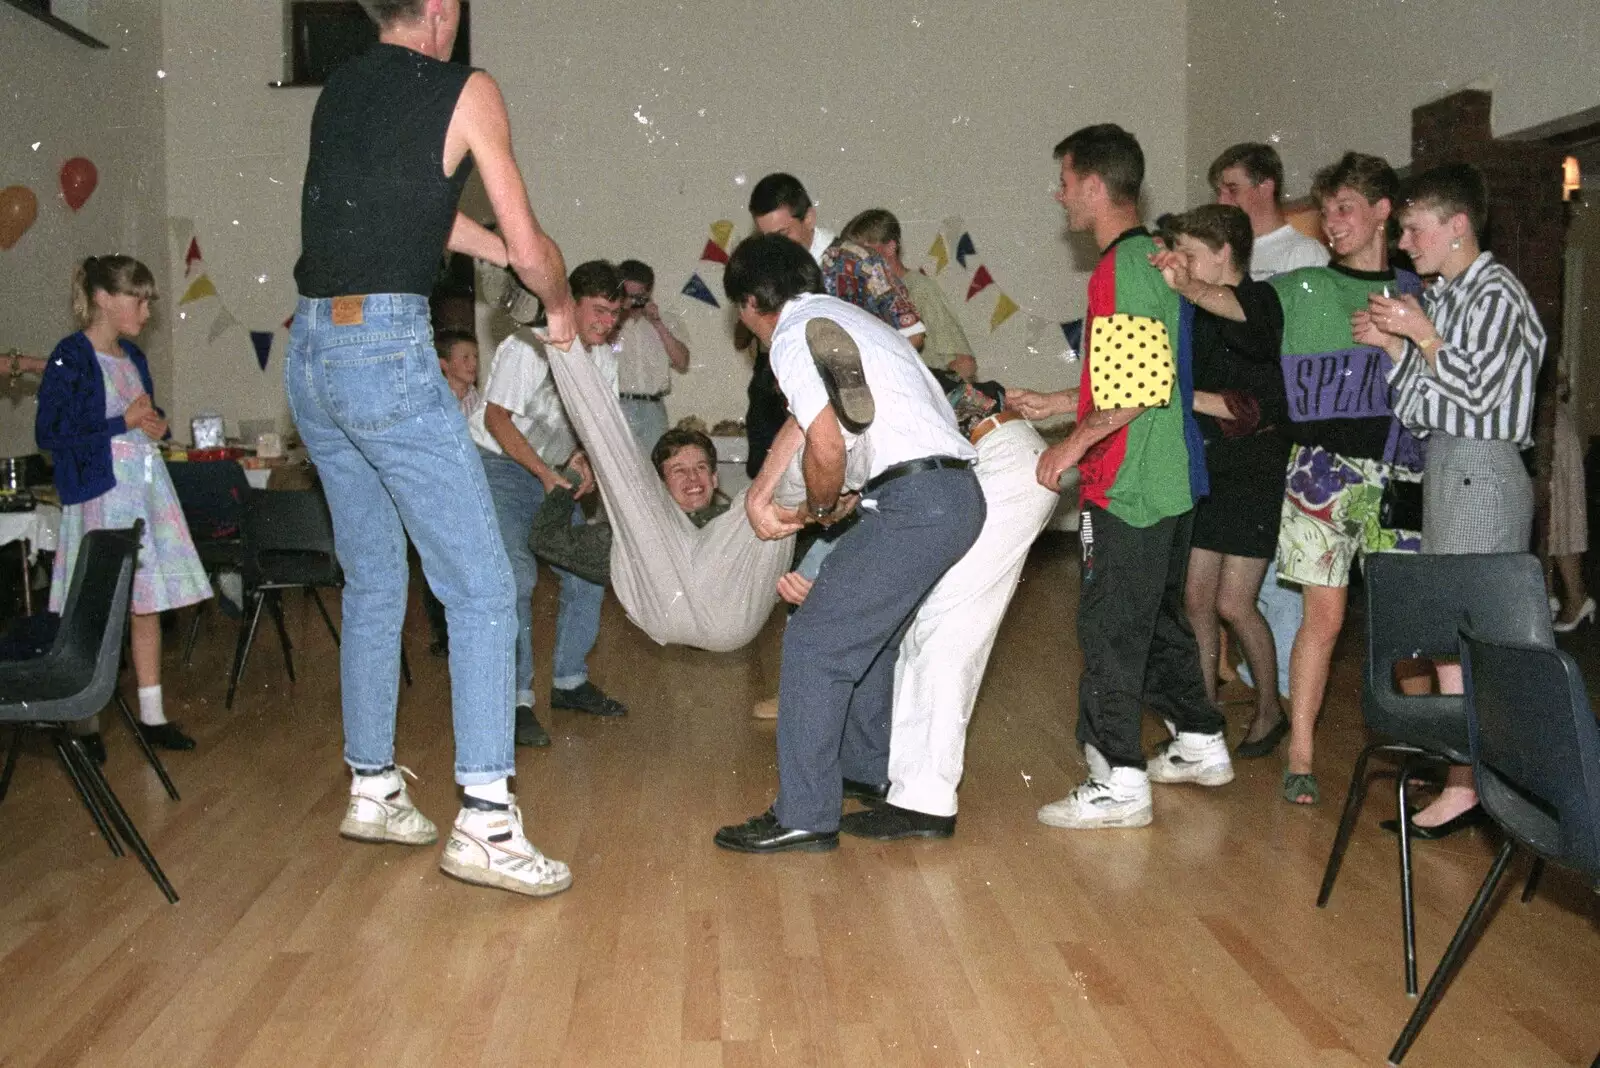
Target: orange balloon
pixel 78 179
pixel 18 208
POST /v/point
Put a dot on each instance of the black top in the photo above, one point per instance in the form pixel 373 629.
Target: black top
pixel 377 207
pixel 1243 358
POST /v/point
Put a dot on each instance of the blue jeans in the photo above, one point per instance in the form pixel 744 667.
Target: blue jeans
pixel 517 496
pixel 392 450
pixel 647 419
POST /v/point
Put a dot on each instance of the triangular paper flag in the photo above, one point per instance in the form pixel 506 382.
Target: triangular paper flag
pixel 722 233
pixel 221 325
pixel 1004 308
pixel 714 252
pixel 262 340
pixel 697 289
pixel 191 256
pixel 201 287
pixel 940 254
pixel 288 324
pixel 980 281
pixel 965 248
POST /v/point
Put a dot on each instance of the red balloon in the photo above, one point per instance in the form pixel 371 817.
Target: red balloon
pixel 78 179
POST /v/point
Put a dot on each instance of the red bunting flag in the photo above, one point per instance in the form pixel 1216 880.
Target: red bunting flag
pixel 714 252
pixel 980 281
pixel 190 257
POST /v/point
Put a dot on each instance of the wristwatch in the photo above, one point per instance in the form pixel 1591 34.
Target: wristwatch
pixel 819 511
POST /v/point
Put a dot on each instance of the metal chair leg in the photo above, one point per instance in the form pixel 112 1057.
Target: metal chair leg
pixel 275 603
pixel 1453 955
pixel 124 823
pixel 145 747
pixel 1531 888
pixel 323 610
pixel 1408 913
pixel 247 636
pixel 12 753
pixel 194 633
pixel 67 751
pixel 1347 822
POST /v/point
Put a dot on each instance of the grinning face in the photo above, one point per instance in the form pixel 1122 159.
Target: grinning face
pixel 1352 223
pixel 690 477
pixel 126 312
pixel 597 319
pixel 1428 237
pixel 780 220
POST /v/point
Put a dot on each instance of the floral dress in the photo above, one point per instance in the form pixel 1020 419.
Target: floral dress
pixel 169 573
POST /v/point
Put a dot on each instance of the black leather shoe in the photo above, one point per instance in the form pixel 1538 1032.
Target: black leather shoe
pixel 94 745
pixel 1472 817
pixel 529 730
pixel 765 834
pixel 866 792
pixel 1264 745
pixel 166 736
pixel 888 823
pixel 587 698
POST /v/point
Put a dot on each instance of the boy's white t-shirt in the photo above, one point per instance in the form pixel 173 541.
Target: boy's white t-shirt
pixel 521 383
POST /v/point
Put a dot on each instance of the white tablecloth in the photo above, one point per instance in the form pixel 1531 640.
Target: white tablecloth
pixel 40 528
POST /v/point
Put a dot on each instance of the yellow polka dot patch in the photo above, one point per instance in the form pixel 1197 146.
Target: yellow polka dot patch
pixel 1130 362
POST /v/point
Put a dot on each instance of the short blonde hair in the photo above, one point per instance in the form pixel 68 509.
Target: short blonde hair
pixel 116 275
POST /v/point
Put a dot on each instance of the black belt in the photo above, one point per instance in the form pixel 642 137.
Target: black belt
pixel 912 467
pixel 641 396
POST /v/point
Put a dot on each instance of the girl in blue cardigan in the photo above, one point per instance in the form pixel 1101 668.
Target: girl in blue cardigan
pixel 100 425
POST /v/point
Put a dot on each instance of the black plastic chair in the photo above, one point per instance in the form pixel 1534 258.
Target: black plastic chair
pixel 288 544
pixel 212 496
pixel 77 678
pixel 1415 607
pixel 1535 751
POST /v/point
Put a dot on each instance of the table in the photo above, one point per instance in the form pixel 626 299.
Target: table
pixel 38 529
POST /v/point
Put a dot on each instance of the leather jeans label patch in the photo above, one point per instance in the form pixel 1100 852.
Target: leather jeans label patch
pixel 349 311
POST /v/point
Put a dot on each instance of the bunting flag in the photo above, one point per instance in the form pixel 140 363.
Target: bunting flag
pixel 696 288
pixel 191 257
pixel 980 281
pixel 714 253
pixel 221 325
pixel 199 289
pixel 288 324
pixel 965 248
pixel 722 233
pixel 1073 332
pixel 1004 308
pixel 262 340
pixel 940 253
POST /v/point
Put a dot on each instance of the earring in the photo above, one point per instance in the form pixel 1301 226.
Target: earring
pixel 1456 244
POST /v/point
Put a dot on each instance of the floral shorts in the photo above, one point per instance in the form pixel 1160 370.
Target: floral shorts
pixel 1330 514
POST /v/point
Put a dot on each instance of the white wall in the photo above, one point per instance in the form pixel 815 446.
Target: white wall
pixel 63 99
pixel 1321 78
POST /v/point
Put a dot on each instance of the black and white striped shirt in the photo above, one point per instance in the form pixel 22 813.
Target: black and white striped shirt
pixel 1482 383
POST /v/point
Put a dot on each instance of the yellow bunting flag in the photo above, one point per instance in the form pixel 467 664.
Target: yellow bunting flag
pixel 722 233
pixel 1004 308
pixel 940 254
pixel 198 289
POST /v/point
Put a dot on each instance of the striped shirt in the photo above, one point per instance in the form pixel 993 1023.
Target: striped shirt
pixel 1481 385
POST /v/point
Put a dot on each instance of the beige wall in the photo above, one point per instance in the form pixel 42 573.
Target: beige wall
pixel 1321 78
pixel 71 100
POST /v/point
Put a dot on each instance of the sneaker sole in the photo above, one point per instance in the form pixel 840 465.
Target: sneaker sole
pixel 839 359
pixel 471 873
pixel 1141 818
pixel 1214 777
pixel 378 834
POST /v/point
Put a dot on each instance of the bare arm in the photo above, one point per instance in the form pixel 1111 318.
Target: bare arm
pixel 823 462
pixel 1064 455
pixel 474 239
pixel 481 127
pixel 767 519
pixel 1037 406
pixel 677 351
pixel 1220 301
pixel 497 421
pixel 1212 404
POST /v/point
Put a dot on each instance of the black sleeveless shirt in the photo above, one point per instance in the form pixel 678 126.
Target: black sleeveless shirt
pixel 377 208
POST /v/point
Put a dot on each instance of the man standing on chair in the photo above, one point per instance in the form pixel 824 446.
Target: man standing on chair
pixel 395 134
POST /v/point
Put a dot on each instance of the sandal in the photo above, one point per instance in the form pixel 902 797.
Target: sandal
pixel 1298 784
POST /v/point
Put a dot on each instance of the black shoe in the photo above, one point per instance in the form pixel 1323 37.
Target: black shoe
pixel 1472 817
pixel 587 698
pixel 529 730
pixel 95 746
pixel 765 834
pixel 838 361
pixel 887 823
pixel 1264 745
pixel 866 792
pixel 166 736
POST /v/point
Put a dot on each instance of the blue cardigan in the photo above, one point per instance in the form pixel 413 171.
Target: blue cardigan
pixel 72 423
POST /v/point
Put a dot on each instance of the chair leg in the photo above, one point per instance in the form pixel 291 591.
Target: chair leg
pixel 1408 912
pixel 144 746
pixel 1528 890
pixel 194 632
pixel 124 824
pixel 1347 822
pixel 247 636
pixel 1453 955
pixel 12 753
pixel 275 602
pixel 323 609
pixel 67 752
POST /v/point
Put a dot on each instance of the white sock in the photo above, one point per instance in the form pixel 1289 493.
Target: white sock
pixel 151 713
pixel 497 792
pixel 525 698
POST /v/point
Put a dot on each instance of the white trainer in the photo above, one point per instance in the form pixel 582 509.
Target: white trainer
pixel 380 810
pixel 1198 758
pixel 1121 799
pixel 489 848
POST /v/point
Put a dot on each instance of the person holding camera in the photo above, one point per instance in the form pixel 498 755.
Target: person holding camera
pixel 646 346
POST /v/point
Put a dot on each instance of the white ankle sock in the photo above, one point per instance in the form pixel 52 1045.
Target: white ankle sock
pixel 497 792
pixel 151 713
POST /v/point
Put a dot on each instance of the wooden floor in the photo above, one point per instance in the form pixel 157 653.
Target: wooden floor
pixel 1192 942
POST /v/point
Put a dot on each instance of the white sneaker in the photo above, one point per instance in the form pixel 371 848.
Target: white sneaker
pixel 489 848
pixel 1122 799
pixel 1198 758
pixel 380 810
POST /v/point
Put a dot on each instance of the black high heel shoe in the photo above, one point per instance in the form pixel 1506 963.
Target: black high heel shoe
pixel 1472 817
pixel 1264 745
